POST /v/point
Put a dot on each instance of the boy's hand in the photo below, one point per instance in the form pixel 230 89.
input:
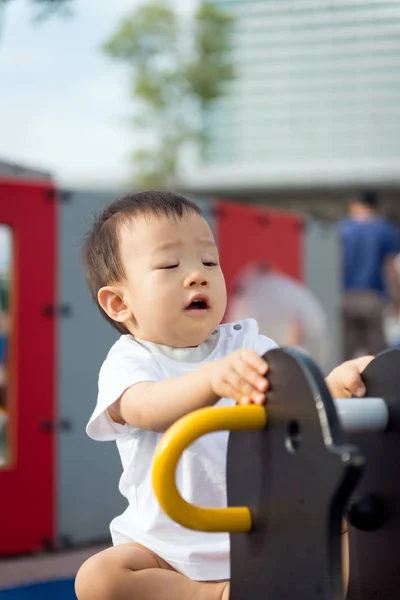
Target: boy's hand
pixel 240 376
pixel 345 381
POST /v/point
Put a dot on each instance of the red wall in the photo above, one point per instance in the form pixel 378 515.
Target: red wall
pixel 27 484
pixel 248 234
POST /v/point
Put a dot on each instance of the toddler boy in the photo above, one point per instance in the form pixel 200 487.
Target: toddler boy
pixel 152 266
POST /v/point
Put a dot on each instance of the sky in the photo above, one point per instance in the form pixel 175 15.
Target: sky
pixel 64 106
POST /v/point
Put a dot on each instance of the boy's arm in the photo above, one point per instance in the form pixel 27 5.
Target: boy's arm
pixel 157 405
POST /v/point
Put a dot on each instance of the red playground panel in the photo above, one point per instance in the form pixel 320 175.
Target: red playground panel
pixel 27 479
pixel 250 234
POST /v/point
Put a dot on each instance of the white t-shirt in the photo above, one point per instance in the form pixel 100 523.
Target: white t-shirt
pixel 201 473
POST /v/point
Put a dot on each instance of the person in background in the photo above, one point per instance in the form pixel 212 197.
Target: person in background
pixel 370 244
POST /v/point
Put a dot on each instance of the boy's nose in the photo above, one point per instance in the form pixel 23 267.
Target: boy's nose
pixel 196 278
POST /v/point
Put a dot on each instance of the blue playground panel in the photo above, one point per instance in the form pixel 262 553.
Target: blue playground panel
pixel 51 590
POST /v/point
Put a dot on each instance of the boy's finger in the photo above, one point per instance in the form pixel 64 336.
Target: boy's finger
pixel 258 398
pixel 231 392
pixel 354 383
pixel 239 383
pixel 250 375
pixel 244 400
pixel 360 390
pixel 254 360
pixel 362 362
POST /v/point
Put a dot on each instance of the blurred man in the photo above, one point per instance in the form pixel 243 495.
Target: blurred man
pixel 370 244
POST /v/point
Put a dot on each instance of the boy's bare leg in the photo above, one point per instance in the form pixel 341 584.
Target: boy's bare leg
pixel 131 572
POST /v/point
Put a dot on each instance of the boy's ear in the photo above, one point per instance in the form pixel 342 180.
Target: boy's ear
pixel 111 300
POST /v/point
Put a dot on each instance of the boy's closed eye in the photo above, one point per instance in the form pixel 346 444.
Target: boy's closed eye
pixel 206 264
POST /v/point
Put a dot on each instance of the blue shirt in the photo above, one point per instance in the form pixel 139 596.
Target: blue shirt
pixel 365 246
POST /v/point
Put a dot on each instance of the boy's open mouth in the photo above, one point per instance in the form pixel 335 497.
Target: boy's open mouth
pixel 198 302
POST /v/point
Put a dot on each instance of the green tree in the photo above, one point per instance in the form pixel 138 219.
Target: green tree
pixel 178 65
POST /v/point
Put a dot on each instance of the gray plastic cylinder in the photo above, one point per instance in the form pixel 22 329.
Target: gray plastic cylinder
pixel 362 414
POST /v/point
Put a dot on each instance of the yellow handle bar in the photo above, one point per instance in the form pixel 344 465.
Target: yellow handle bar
pixel 178 437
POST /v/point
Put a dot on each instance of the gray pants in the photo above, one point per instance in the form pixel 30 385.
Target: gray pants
pixel 362 319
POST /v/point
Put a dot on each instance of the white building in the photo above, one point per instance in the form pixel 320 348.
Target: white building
pixel 316 99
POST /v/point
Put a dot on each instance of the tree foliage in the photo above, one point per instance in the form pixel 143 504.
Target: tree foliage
pixel 42 4
pixel 42 8
pixel 178 65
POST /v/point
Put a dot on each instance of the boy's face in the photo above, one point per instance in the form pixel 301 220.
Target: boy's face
pixel 169 263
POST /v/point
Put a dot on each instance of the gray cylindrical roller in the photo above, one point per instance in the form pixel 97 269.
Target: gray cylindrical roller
pixel 362 414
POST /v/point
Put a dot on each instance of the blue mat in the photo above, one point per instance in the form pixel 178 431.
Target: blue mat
pixel 51 590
